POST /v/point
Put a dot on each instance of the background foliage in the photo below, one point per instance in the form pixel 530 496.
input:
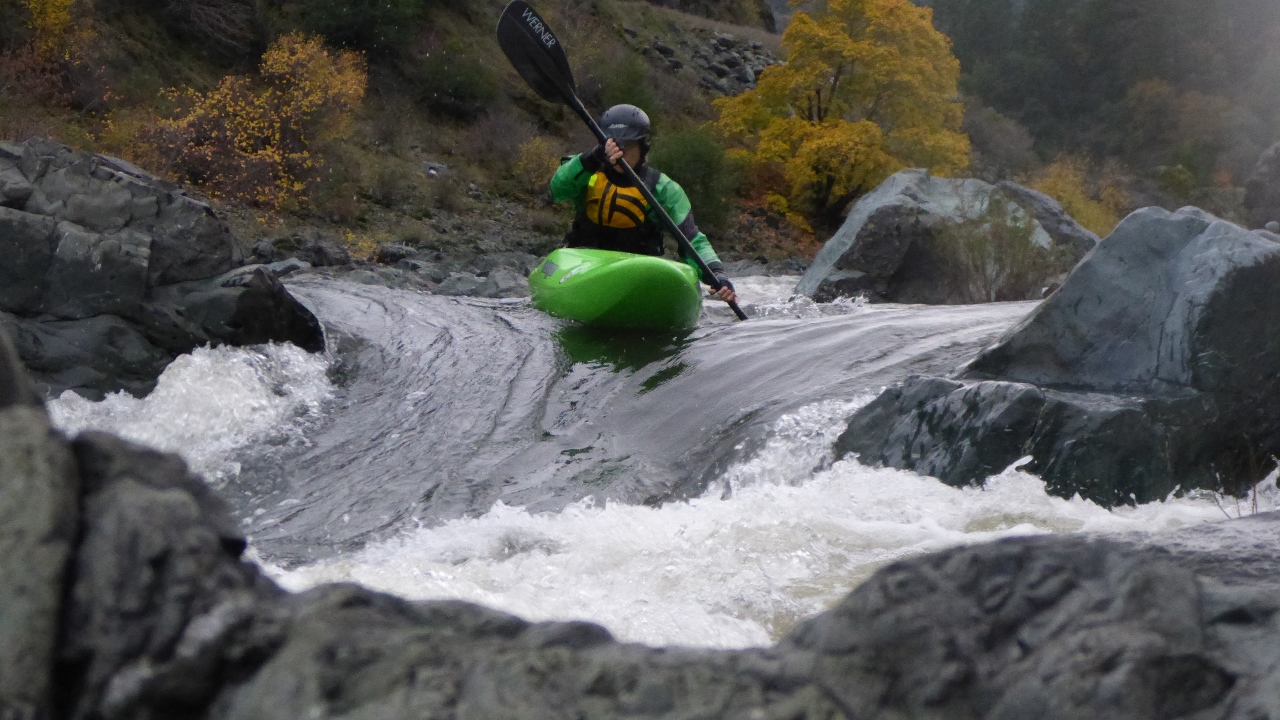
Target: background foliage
pixel 1153 83
pixel 869 88
pixel 253 139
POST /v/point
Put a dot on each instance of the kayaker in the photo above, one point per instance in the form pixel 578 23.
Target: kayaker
pixel 612 214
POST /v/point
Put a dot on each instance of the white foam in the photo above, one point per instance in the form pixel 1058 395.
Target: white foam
pixel 775 297
pixel 730 572
pixel 211 402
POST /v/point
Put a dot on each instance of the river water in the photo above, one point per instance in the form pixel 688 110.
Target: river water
pixel 678 490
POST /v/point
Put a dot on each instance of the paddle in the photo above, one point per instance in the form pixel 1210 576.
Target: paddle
pixel 540 59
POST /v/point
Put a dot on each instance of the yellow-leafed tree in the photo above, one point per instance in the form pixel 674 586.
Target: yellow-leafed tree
pixel 253 139
pixel 868 88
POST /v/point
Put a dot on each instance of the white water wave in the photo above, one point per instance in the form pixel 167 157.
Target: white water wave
pixel 210 403
pixel 732 572
pixel 774 297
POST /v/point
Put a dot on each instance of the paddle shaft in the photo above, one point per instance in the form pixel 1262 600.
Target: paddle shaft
pixel 686 247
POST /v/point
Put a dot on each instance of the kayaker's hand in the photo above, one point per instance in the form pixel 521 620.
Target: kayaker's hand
pixel 612 152
pixel 725 292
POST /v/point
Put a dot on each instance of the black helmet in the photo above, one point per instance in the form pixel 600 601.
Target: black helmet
pixel 625 123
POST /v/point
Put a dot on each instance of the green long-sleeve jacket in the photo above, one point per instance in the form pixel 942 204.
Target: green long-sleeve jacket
pixel 571 180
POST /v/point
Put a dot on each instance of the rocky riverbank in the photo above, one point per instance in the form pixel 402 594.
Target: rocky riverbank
pixel 107 273
pixel 1151 371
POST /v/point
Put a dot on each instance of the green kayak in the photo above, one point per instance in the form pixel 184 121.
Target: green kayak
pixel 616 289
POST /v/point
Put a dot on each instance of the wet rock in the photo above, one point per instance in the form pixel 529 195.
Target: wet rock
pixel 434 272
pixel 459 284
pixel 38 514
pixel 893 235
pixel 1158 306
pixel 309 246
pixel 15 190
pixel 503 283
pixel 285 268
pixel 247 306
pixel 1044 627
pixel 97 263
pixel 26 251
pixel 323 252
pixel 1148 370
pixel 264 251
pixel 521 263
pixel 91 356
pixel 104 194
pixel 663 49
pixel 95 274
pixel 161 611
pixel 392 254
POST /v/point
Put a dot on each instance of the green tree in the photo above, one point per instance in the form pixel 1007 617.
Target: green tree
pixel 694 159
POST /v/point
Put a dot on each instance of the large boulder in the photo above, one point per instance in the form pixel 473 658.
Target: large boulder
pixel 39 511
pixel 892 247
pixel 107 272
pixel 1151 369
pixel 105 195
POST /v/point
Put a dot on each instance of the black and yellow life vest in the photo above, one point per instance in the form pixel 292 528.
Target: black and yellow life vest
pixel 614 216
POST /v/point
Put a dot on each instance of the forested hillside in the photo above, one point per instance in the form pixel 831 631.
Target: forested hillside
pixel 387 120
pixel 380 120
pixel 1185 91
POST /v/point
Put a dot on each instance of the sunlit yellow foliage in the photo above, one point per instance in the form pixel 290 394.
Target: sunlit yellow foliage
pixel 253 139
pixel 1067 181
pixel 869 87
pixel 363 245
pixel 50 24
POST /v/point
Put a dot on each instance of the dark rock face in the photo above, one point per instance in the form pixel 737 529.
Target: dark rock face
pixel 107 272
pixel 889 246
pixel 125 596
pixel 1150 369
pixel 102 353
pixel 38 516
pixel 1051 628
pixel 104 195
pixel 309 246
pixel 159 608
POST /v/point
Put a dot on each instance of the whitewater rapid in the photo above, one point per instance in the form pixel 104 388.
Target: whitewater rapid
pixel 777 532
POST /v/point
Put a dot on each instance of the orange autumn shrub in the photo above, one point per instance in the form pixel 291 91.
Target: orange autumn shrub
pixel 254 139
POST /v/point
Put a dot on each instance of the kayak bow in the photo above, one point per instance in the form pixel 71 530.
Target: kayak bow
pixel 616 289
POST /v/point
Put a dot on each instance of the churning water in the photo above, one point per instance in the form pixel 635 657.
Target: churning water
pixel 677 491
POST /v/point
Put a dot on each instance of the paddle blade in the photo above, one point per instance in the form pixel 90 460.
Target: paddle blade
pixel 535 52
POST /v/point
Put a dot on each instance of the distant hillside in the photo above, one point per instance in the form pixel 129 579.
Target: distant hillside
pixel 1189 86
pixel 446 131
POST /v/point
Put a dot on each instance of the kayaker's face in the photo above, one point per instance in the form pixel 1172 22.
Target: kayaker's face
pixel 628 151
pixel 631 153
